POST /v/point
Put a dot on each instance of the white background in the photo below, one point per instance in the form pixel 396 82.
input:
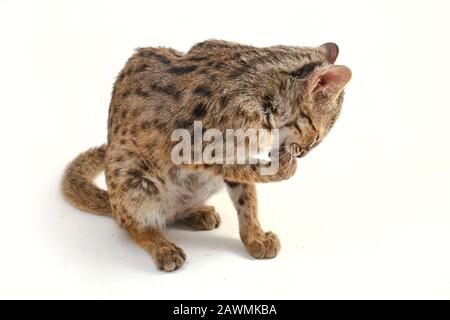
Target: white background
pixel 366 216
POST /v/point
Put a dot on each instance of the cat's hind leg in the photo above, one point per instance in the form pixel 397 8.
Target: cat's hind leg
pixel 136 204
pixel 167 255
pixel 205 218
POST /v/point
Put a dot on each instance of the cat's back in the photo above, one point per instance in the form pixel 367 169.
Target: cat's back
pixel 159 85
pixel 145 70
pixel 164 89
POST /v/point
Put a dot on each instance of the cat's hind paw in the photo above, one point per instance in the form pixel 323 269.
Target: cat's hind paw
pixel 206 218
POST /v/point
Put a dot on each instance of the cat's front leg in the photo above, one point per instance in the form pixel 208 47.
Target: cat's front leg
pixel 259 244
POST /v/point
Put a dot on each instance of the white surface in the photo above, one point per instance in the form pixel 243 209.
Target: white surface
pixel 367 215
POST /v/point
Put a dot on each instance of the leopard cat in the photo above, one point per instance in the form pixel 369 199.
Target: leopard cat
pixel 298 90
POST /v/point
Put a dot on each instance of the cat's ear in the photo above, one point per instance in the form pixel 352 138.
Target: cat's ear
pixel 329 80
pixel 330 50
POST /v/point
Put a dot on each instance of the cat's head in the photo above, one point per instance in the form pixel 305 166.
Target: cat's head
pixel 310 98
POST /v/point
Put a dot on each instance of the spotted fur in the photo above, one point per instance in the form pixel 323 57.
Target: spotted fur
pixel 227 86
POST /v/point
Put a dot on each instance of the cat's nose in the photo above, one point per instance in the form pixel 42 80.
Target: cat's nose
pixel 302 154
pixel 296 150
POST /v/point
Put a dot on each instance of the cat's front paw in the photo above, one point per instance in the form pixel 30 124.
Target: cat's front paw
pixel 282 166
pixel 169 257
pixel 265 247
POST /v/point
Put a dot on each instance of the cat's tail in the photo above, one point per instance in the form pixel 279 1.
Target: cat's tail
pixel 78 182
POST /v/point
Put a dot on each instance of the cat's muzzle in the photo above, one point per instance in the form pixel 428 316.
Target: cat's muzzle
pixel 296 150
